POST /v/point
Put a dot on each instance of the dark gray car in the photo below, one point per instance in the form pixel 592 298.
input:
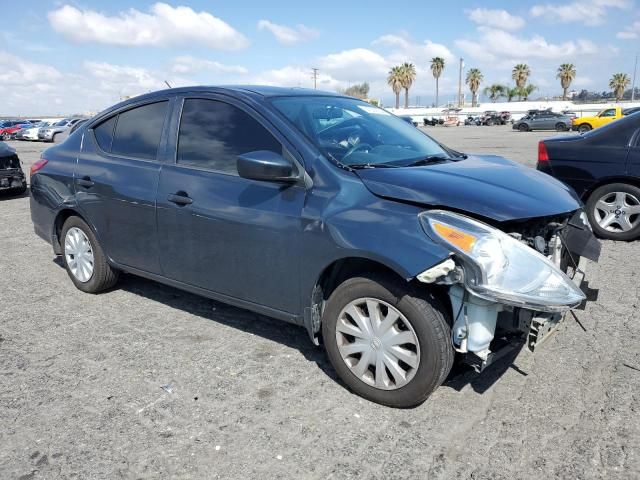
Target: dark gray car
pixel 544 121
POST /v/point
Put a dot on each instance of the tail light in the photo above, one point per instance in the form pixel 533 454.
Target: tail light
pixel 37 166
pixel 543 155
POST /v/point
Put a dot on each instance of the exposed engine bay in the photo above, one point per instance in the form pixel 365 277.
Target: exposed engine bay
pixel 11 175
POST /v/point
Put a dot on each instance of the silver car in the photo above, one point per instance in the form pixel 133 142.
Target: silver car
pixel 56 131
pixel 544 121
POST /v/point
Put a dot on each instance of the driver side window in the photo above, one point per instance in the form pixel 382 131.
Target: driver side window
pixel 609 113
pixel 212 134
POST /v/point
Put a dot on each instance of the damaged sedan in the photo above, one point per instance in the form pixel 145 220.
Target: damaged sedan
pixel 393 251
pixel 12 179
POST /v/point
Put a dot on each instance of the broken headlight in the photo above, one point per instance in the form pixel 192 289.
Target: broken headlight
pixel 500 268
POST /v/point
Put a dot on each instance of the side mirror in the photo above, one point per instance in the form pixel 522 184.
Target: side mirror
pixel 267 166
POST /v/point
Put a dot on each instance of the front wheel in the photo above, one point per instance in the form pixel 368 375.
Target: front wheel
pixel 585 127
pixel 561 127
pixel 388 342
pixel 523 127
pixel 84 259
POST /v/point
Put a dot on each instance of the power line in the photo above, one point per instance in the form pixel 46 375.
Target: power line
pixel 314 75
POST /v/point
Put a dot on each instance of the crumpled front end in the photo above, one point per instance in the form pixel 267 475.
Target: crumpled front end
pixel 11 174
pixel 512 282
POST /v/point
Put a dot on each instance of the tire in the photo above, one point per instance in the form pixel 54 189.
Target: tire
pixel 561 127
pixel 489 123
pixel 426 322
pixel 103 276
pixel 619 228
pixel 523 127
pixel 53 138
pixel 585 127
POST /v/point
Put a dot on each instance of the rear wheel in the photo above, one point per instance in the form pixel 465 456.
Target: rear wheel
pixel 523 127
pixel 561 127
pixel 614 211
pixel 585 127
pixel 387 342
pixel 84 259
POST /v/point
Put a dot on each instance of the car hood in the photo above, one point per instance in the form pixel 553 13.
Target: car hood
pixel 488 186
pixel 6 150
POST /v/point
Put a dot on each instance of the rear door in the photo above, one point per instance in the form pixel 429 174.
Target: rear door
pixel 116 182
pixel 221 232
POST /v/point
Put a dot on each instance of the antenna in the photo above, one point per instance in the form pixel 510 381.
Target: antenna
pixel 314 75
pixel 167 83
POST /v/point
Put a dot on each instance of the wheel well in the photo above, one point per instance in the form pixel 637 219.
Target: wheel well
pixel 62 217
pixel 628 180
pixel 340 270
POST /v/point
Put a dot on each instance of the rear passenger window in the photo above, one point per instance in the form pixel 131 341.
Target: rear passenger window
pixel 138 131
pixel 104 133
pixel 213 134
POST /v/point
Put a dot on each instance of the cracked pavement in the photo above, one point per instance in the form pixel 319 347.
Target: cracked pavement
pixel 250 397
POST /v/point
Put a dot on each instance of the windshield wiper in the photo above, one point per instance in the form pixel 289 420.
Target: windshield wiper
pixel 361 166
pixel 428 160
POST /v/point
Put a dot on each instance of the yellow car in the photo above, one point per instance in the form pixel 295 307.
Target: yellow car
pixel 584 124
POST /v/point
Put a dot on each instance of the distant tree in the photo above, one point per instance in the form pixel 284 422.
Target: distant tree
pixel 527 90
pixel 408 77
pixel 520 75
pixel 618 83
pixel 495 91
pixel 512 92
pixel 474 78
pixel 437 67
pixel 394 80
pixel 566 74
pixel 359 90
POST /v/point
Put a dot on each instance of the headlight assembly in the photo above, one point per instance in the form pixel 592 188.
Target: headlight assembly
pixel 500 268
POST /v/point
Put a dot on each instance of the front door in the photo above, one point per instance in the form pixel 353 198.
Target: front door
pixel 221 232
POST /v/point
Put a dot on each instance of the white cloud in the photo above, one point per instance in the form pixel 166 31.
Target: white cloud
pixel 164 25
pixel 498 45
pixel 190 65
pixel 17 71
pixel 403 49
pixel 496 18
pixel 293 76
pixel 630 33
pixel 357 64
pixel 588 12
pixel 287 35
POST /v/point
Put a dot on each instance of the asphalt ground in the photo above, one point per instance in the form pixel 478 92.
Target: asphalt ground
pixel 82 377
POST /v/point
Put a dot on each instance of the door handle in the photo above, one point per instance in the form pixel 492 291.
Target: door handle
pixel 180 198
pixel 85 182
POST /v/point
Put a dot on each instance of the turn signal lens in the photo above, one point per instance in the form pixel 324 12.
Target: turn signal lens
pixel 37 166
pixel 460 239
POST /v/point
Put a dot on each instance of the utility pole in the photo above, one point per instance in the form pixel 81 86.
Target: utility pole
pixel 460 82
pixel 633 84
pixel 314 75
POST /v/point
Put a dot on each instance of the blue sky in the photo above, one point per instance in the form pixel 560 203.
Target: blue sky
pixel 61 57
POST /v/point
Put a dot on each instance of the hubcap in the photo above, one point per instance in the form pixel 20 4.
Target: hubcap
pixel 377 343
pixel 78 254
pixel 617 212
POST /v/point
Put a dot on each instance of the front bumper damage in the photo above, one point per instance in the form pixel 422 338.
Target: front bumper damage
pixel 484 331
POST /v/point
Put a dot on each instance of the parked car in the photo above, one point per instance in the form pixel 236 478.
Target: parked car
pixel 56 132
pixel 473 120
pixel 391 248
pixel 603 167
pixel 544 121
pixel 8 128
pixel 433 121
pixel 12 179
pixel 584 124
pixel 30 132
pixel 62 136
pixel 570 114
pixel 491 117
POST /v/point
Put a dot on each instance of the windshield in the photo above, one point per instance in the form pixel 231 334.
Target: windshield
pixel 356 133
pixel 61 123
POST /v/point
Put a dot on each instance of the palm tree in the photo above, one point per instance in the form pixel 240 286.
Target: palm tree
pixel 408 76
pixel 437 66
pixel 618 83
pixel 495 91
pixel 566 74
pixel 527 90
pixel 520 75
pixel 512 92
pixel 395 82
pixel 474 78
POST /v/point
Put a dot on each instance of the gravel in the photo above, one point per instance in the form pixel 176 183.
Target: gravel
pixel 146 381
